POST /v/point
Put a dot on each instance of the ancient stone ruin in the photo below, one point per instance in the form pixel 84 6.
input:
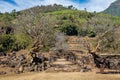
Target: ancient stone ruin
pixel 56 61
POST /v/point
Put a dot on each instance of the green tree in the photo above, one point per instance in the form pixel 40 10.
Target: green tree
pixel 6 42
pixel 69 29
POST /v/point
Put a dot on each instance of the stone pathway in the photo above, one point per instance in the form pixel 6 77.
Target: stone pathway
pixel 62 65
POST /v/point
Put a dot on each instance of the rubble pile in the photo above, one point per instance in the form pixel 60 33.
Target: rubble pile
pixel 17 62
pixel 53 61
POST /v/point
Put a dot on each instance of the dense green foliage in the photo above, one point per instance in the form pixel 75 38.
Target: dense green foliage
pixel 69 29
pixel 10 42
pixel 6 42
pixel 22 41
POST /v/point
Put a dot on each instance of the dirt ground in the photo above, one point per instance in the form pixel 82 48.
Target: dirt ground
pixel 61 76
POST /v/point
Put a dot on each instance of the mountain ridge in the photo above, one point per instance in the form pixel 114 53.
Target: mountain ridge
pixel 114 8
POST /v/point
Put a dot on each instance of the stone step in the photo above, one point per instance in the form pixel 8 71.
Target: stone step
pixel 62 62
pixel 61 59
pixel 64 68
pixel 61 65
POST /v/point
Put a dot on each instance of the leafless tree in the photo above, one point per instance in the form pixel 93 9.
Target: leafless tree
pixel 38 27
pixel 100 61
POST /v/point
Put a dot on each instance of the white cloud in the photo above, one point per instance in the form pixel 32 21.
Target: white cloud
pixel 93 5
pixel 96 5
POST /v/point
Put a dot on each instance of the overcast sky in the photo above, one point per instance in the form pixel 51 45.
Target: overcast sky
pixel 90 5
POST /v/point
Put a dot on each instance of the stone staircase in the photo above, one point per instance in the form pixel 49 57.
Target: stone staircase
pixel 62 65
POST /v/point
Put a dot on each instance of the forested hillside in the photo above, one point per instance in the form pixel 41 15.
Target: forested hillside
pixel 37 27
